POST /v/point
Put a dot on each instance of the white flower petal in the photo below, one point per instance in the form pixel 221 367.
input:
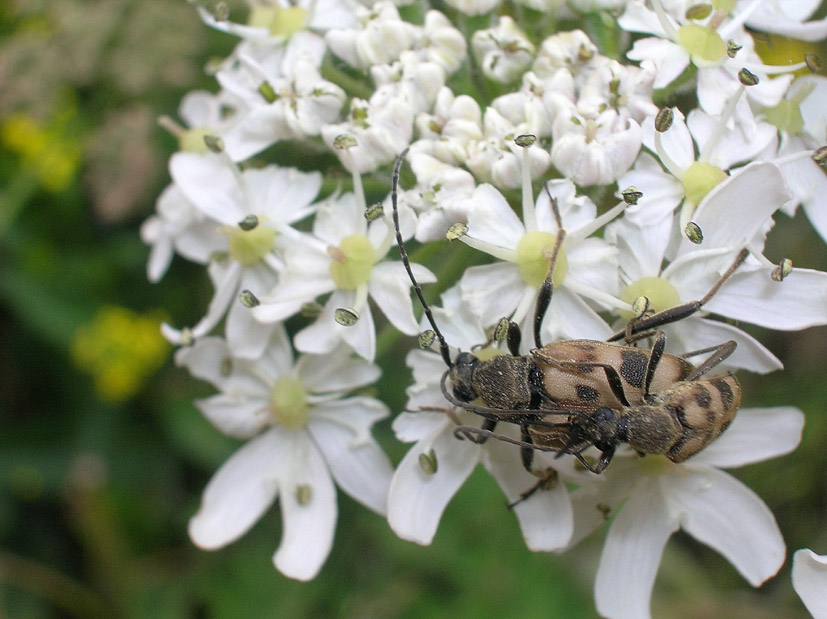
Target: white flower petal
pixel 666 58
pixel 718 510
pixel 235 414
pixel 238 494
pixel 493 290
pixel 632 553
pixel 281 195
pixel 696 333
pixel 247 337
pixel 810 581
pixel 390 289
pixel 411 427
pixel 749 198
pixel 755 435
pixel 798 302
pixel 308 529
pixel 492 220
pixel 361 337
pixel 546 516
pixel 205 359
pixel 338 371
pixel 358 464
pixel 572 318
pixel 208 182
pixel 416 499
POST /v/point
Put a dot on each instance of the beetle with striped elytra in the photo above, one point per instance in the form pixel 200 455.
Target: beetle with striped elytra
pixel 569 395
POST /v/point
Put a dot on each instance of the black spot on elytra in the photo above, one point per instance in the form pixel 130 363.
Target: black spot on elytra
pixel 677 412
pixel 725 425
pixel 587 394
pixel 727 397
pixel 702 396
pixel 633 366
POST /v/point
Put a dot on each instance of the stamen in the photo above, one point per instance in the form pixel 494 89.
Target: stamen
pixel 673 168
pixel 720 127
pixel 529 216
pixel 597 223
pixel 508 255
pixel 604 298
pixel 664 20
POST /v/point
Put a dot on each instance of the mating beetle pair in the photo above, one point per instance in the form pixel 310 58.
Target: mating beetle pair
pixel 570 395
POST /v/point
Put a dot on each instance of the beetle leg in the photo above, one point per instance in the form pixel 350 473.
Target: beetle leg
pixel 513 338
pixel 719 353
pixel 655 356
pixel 469 432
pixel 612 376
pixel 547 480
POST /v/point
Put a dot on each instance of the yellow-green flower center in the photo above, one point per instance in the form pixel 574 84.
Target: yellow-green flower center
pixel 352 262
pixel 786 116
pixel 702 42
pixel 699 179
pixel 533 254
pixel 724 6
pixel 192 140
pixel 288 403
pixel 280 21
pixel 249 246
pixel 661 294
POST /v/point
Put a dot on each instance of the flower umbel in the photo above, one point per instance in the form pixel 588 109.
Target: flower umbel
pixel 528 143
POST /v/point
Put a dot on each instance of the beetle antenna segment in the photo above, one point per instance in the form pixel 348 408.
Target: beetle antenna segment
pixel 443 345
pixel 547 287
pixel 679 312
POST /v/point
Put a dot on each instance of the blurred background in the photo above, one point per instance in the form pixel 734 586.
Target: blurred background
pixel 103 456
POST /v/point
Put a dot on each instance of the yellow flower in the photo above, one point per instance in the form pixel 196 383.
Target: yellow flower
pixel 47 151
pixel 120 349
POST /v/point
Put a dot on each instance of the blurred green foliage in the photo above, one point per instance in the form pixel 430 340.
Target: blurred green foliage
pixel 103 458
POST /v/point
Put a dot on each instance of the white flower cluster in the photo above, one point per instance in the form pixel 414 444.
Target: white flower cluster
pixel 491 117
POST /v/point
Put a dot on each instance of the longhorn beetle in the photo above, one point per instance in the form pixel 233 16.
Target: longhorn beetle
pixel 607 393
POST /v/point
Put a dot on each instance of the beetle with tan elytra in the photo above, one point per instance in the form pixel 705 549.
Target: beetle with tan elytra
pixel 569 395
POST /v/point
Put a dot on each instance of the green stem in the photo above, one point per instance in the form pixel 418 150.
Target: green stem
pixel 353 87
pixel 49 584
pixel 15 196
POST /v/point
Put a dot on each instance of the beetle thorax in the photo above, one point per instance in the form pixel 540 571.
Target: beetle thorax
pixel 500 382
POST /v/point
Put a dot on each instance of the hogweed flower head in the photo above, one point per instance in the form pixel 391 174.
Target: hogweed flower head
pixel 507 123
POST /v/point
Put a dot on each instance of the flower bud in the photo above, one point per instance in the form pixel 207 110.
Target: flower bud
pixel 784 268
pixel 664 119
pixel 428 462
pixel 631 195
pixel 374 211
pixel 214 143
pixel 344 141
pixel 426 339
pixel 456 231
pixel 525 140
pixel 248 223
pixel 266 90
pixel 747 77
pixel 346 316
pixel 248 299
pixel 311 310
pixel 303 494
pixel 694 233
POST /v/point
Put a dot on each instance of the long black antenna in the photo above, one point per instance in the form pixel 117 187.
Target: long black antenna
pixel 443 345
pixel 547 287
